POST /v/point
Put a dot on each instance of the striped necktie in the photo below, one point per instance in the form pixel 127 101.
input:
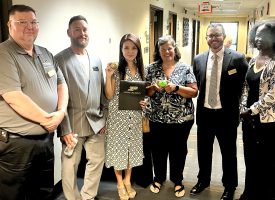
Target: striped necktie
pixel 212 95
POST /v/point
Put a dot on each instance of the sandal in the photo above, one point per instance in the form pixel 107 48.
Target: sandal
pixel 179 192
pixel 130 190
pixel 155 187
pixel 122 193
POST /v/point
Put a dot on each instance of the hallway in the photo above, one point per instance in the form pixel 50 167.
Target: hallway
pixel 108 191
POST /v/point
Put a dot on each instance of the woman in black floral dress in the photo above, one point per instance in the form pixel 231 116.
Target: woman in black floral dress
pixel 258 114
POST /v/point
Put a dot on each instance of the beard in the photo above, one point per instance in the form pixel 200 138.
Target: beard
pixel 215 45
pixel 80 44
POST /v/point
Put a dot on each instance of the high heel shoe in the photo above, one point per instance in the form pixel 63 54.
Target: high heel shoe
pixel 122 193
pixel 130 190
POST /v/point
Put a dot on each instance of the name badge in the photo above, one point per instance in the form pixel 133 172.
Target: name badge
pixel 46 64
pixel 95 69
pixel 232 71
pixel 51 72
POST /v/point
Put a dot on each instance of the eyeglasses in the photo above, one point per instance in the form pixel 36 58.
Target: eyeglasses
pixel 25 23
pixel 169 49
pixel 214 36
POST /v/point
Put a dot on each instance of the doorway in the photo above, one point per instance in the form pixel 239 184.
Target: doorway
pixel 195 38
pixel 5 6
pixel 173 25
pixel 155 28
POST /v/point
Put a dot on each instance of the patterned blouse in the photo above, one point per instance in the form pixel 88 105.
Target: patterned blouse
pixel 266 104
pixel 170 108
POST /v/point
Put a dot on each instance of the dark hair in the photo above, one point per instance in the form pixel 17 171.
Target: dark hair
pixel 269 25
pixel 76 18
pixel 216 25
pixel 139 60
pixel 20 8
pixel 163 40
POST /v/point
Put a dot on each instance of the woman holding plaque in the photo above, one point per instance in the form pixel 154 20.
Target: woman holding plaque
pixel 173 85
pixel 124 148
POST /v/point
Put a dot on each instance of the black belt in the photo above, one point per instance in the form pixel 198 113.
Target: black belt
pixel 16 135
pixel 212 110
pixel 32 137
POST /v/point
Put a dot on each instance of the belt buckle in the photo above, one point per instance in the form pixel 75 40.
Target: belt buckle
pixel 4 136
pixel 13 136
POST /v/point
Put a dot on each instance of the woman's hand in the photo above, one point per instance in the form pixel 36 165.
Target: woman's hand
pixel 143 104
pixel 248 118
pixel 154 87
pixel 170 87
pixel 109 70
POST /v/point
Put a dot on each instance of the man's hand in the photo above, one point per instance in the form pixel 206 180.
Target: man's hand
pixel 69 139
pixel 102 131
pixel 55 119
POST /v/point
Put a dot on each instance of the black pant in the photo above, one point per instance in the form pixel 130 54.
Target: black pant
pixel 216 125
pixel 259 148
pixel 143 175
pixel 169 139
pixel 26 168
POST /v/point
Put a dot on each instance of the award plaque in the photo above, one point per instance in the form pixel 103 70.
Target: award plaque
pixel 130 94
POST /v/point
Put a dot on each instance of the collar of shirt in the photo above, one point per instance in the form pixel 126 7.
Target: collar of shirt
pixel 219 53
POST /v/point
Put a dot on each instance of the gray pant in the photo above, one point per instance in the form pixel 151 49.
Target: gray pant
pixel 95 154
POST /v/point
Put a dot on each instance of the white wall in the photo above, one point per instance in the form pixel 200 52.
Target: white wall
pixel 108 22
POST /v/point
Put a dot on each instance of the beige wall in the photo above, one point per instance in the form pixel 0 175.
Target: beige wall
pixel 242 32
pixel 261 13
pixel 108 22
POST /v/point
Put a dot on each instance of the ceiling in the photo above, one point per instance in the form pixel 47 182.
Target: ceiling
pixel 222 7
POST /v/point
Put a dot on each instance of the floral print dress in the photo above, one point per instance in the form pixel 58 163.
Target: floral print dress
pixel 124 132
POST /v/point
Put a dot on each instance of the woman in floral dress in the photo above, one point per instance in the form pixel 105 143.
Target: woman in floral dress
pixel 124 148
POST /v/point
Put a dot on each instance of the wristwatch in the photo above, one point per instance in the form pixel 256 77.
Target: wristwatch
pixel 177 88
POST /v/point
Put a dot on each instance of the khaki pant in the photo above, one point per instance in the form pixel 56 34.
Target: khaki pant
pixel 95 154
